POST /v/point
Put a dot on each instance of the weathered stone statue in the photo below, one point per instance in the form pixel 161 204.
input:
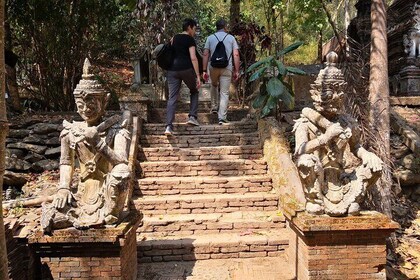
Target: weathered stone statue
pixel 411 40
pixel 322 136
pixel 101 145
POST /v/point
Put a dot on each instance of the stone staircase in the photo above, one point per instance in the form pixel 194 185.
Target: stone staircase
pixel 205 192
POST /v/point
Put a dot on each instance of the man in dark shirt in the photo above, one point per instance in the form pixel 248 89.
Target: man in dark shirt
pixel 184 69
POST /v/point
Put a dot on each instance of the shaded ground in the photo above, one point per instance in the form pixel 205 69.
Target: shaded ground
pixel 230 269
pixel 410 115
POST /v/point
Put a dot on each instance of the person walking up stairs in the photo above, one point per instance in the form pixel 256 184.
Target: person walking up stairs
pixel 205 194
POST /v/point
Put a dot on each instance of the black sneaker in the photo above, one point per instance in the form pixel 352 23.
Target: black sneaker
pixel 222 122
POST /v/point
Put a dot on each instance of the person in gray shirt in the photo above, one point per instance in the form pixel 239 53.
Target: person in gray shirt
pixel 221 76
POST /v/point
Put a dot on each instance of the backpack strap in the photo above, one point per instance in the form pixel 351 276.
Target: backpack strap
pixel 223 37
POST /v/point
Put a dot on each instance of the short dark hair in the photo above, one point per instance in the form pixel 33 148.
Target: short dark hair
pixel 220 24
pixel 188 22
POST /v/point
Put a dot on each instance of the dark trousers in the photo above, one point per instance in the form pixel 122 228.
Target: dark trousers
pixel 175 78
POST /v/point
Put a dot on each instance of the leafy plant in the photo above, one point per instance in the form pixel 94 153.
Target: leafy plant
pixel 274 88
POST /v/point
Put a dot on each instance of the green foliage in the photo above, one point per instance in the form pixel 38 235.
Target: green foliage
pixel 274 88
pixel 307 54
pixel 53 37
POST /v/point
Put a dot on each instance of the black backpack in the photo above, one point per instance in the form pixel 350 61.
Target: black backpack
pixel 165 57
pixel 219 58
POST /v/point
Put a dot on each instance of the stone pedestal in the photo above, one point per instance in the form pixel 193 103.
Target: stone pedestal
pixel 404 51
pixel 137 103
pixel 107 253
pixel 323 247
pixel 409 81
pixel 204 94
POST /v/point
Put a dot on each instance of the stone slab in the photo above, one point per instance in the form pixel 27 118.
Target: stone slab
pixel 111 234
pixel 323 247
pixel 405 100
pixel 368 220
pixel 88 254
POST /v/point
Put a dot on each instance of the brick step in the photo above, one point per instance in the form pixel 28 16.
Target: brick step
pixel 159 116
pixel 247 126
pixel 203 168
pixel 203 153
pixel 213 246
pixel 207 203
pixel 195 141
pixel 194 224
pixel 265 268
pixel 203 185
pixel 183 106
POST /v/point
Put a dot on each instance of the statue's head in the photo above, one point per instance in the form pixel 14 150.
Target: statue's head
pixel 328 89
pixel 91 99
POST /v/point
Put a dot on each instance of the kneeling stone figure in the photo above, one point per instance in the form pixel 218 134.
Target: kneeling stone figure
pixel 101 145
pixel 322 136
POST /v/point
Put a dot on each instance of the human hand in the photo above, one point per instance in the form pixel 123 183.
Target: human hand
pixel 91 135
pixel 372 161
pixel 198 83
pixel 333 131
pixel 236 75
pixel 205 77
pixel 62 198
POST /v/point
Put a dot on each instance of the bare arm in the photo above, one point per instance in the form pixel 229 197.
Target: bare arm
pixel 63 195
pixel 306 146
pixel 206 55
pixel 236 60
pixel 194 61
pixel 66 164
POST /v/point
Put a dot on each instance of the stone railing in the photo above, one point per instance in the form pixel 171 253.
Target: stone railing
pixel 280 164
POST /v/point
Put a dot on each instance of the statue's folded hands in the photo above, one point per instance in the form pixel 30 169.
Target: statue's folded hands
pixel 323 134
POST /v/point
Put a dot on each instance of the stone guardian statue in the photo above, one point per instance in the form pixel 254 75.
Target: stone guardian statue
pixel 322 136
pixel 101 146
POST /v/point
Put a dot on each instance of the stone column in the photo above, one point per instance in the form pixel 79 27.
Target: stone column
pixel 136 102
pixel 323 247
pixel 109 253
pixel 137 71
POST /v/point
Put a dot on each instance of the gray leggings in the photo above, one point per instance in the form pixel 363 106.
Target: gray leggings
pixel 175 79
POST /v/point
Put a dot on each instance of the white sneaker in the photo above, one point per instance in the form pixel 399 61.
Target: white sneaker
pixel 193 121
pixel 169 131
pixel 223 122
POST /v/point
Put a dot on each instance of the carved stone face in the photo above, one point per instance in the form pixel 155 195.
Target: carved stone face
pixel 328 98
pixel 91 107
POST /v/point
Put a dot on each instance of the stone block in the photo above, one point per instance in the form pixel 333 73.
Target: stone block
pixel 324 247
pixel 80 254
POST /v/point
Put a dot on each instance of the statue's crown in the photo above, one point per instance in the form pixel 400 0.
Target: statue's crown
pixel 330 74
pixel 88 85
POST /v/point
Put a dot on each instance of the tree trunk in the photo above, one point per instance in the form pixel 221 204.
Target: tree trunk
pixel 235 11
pixel 346 22
pixel 3 132
pixel 379 98
pixel 320 47
pixel 12 86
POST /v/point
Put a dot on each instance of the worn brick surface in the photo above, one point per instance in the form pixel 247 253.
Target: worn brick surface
pixel 214 246
pixel 159 116
pixel 229 268
pixel 206 194
pixel 356 250
pixel 88 260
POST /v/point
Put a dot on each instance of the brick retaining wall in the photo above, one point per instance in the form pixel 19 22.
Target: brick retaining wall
pixel 323 247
